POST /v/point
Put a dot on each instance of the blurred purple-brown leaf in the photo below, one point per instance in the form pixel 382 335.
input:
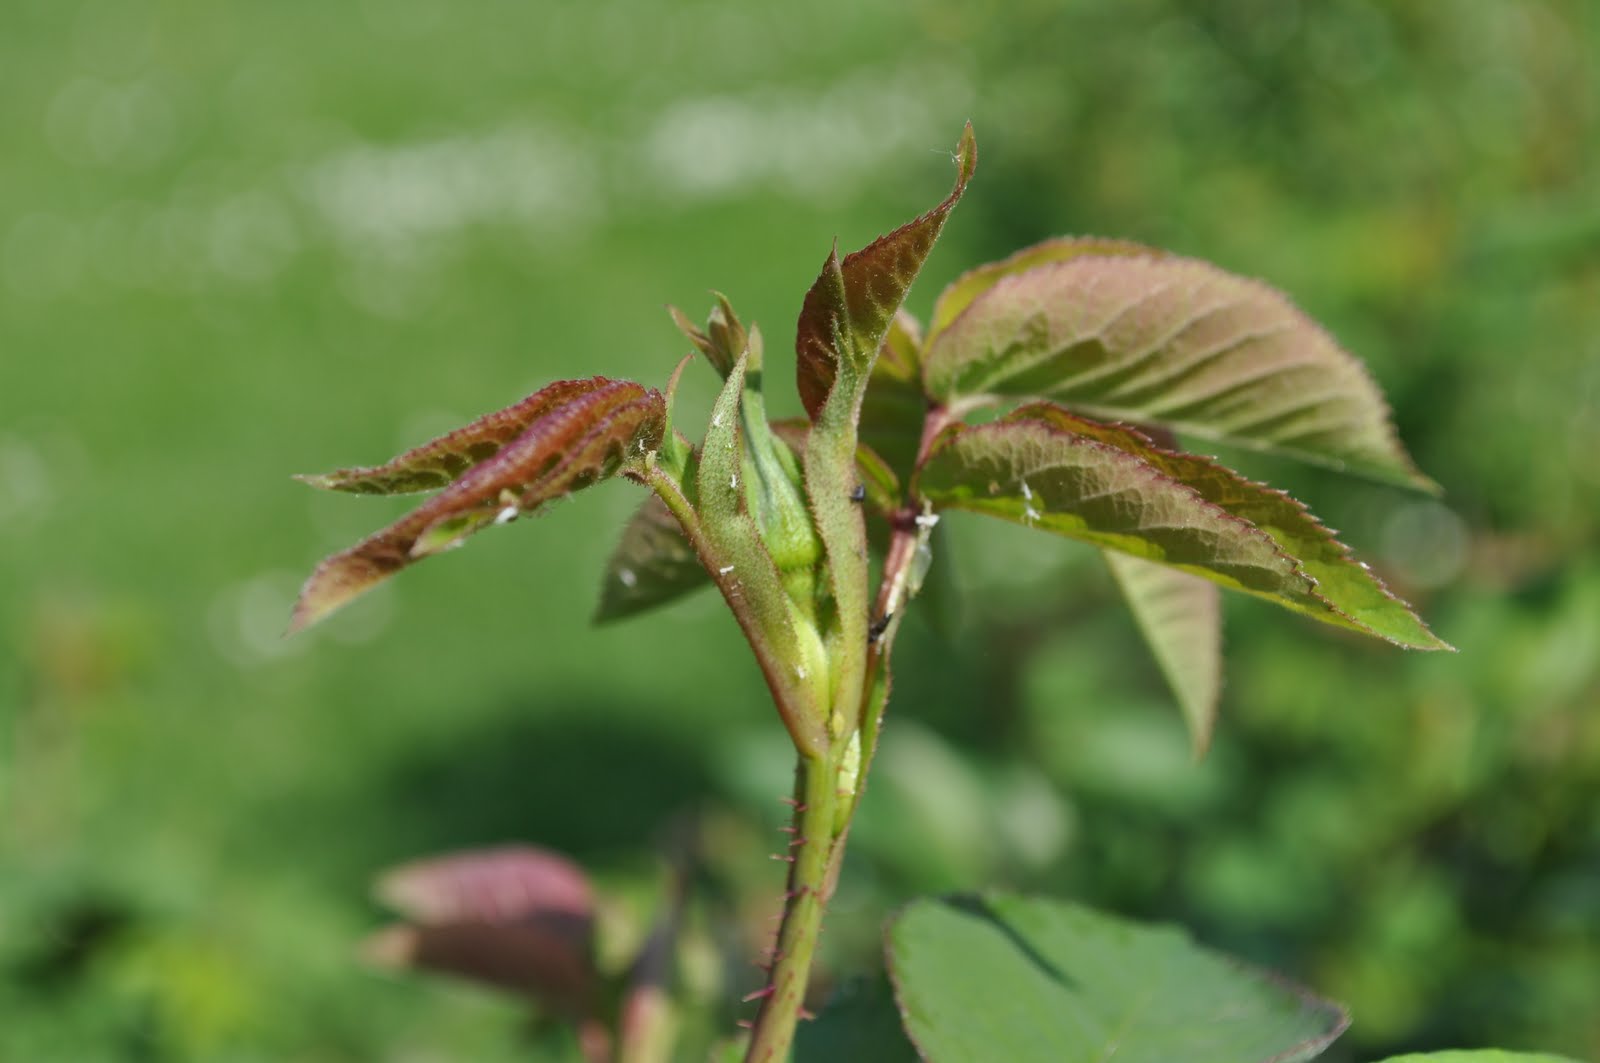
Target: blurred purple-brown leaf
pixel 515 917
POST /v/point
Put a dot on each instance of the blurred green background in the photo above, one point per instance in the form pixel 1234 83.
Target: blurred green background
pixel 244 240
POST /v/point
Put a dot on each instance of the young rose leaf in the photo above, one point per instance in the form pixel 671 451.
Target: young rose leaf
pixel 1036 475
pixel 1024 980
pixel 959 293
pixel 1356 597
pixel 1175 341
pixel 723 338
pixel 437 463
pixel 1109 486
pixel 1180 617
pixel 848 310
pixel 652 565
pixel 843 321
pixel 596 430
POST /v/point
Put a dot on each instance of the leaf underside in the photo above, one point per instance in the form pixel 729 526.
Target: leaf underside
pixel 589 431
pixel 652 565
pixel 1110 486
pixel 1150 337
pixel 1024 980
pixel 1180 617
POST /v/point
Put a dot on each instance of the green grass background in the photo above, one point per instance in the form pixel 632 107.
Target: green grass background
pixel 243 240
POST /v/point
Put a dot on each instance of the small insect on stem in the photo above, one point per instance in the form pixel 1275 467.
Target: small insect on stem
pixel 879 626
pixel 858 493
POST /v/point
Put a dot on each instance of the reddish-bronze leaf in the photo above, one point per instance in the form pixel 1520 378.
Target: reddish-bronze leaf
pixel 848 310
pixel 596 432
pixel 440 461
pixel 1169 340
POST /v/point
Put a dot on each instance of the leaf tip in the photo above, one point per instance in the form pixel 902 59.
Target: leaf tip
pixel 967 154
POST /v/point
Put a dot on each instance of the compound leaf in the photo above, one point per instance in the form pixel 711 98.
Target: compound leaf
pixel 1170 340
pixel 590 431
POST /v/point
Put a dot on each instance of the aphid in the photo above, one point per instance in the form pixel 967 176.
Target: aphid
pixel 858 493
pixel 506 515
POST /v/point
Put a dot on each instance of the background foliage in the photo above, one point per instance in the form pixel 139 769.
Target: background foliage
pixel 238 241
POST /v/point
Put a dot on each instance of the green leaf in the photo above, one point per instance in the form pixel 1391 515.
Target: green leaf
pixel 1170 340
pixel 1022 980
pixel 652 565
pixel 1180 617
pixel 593 431
pixel 1485 1055
pixel 1111 486
pixel 859 1022
pixel 439 462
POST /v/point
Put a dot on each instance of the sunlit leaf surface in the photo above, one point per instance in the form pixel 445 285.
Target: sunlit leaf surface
pixel 1036 981
pixel 1110 486
pixel 1174 341
pixel 440 461
pixel 591 433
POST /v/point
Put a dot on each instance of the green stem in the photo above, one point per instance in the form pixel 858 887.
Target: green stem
pixel 816 848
